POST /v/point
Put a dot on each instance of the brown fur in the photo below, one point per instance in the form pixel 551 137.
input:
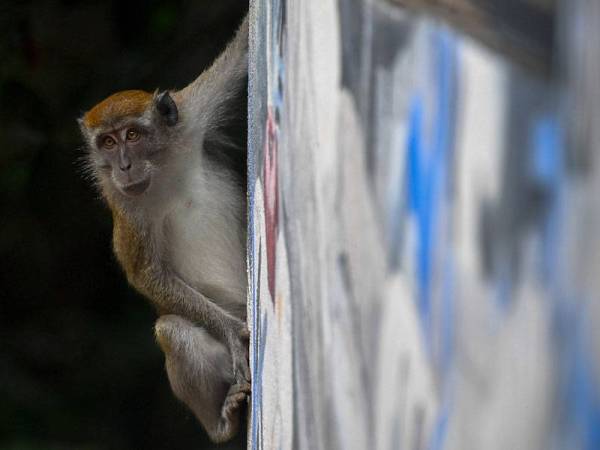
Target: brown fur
pixel 117 106
pixel 131 251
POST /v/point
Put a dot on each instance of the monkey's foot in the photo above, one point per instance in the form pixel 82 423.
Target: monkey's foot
pixel 230 417
pixel 245 388
pixel 239 355
pixel 235 398
pixel 245 333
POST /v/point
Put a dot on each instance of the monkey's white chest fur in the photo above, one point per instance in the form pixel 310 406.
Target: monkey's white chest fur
pixel 205 236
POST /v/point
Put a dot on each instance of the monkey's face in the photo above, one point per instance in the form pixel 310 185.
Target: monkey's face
pixel 125 140
pixel 124 157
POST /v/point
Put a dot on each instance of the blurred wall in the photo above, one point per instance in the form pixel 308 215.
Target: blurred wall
pixel 423 259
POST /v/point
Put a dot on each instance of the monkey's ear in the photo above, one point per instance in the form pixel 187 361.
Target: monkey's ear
pixel 167 108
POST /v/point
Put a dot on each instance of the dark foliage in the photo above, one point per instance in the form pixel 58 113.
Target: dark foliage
pixel 79 366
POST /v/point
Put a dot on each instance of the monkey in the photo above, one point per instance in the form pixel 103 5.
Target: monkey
pixel 175 184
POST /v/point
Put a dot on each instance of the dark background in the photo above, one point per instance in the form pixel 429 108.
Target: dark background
pixel 79 368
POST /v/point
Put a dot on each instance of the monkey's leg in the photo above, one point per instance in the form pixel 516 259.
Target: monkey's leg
pixel 201 375
pixel 172 295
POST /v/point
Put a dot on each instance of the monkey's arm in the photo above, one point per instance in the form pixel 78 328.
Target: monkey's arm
pixel 207 98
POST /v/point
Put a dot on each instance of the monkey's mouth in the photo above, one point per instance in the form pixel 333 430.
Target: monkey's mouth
pixel 137 188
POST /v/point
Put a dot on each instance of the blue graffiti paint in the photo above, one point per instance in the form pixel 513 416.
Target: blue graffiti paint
pixel 547 160
pixel 585 403
pixel 417 201
pixel 548 170
pixel 277 78
pixel 414 152
pixel 257 383
pixel 440 430
pixel 428 166
pixel 579 391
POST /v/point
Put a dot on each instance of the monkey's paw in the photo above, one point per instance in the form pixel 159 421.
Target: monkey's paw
pixel 235 398
pixel 239 354
pixel 230 417
pixel 245 333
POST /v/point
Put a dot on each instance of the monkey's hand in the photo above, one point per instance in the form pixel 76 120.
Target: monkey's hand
pixel 237 338
pixel 235 398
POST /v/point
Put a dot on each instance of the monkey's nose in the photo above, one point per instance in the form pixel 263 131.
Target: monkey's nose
pixel 124 160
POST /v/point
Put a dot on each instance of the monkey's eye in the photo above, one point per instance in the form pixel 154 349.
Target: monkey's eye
pixel 108 142
pixel 133 134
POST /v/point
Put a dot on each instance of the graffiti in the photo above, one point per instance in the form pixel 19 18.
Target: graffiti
pixel 422 225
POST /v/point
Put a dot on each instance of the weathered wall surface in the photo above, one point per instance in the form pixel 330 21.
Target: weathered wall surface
pixel 424 270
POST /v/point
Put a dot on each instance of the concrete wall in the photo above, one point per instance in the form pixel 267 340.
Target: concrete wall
pixel 424 266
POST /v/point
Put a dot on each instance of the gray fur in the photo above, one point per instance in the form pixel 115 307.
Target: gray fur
pixel 199 370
